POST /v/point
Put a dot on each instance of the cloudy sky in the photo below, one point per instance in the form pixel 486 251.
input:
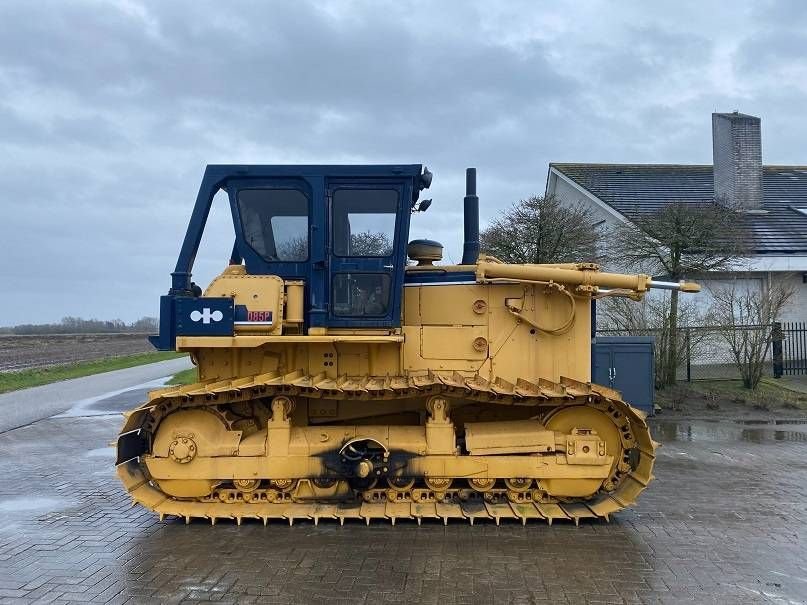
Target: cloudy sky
pixel 109 112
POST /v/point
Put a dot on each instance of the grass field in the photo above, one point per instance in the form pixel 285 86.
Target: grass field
pixel 19 353
pixel 185 377
pixel 23 379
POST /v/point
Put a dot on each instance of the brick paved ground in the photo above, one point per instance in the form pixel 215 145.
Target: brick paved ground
pixel 724 523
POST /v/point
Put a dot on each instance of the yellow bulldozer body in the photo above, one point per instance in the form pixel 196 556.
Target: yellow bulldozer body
pixel 478 404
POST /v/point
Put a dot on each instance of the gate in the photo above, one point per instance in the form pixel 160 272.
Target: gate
pixel 794 347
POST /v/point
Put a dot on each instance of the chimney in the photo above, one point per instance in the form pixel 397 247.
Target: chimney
pixel 737 157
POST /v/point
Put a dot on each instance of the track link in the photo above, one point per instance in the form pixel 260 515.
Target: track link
pixel 627 481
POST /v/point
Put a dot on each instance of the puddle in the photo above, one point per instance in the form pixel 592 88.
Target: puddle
pixel 777 421
pixel 29 504
pixel 762 431
pixel 88 407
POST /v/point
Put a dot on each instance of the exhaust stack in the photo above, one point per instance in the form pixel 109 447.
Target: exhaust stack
pixel 470 248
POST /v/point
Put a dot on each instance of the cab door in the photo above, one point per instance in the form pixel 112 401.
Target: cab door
pixel 368 226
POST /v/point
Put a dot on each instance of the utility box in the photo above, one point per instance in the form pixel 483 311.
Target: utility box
pixel 625 363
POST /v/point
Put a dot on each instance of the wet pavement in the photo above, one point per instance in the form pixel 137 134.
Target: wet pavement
pixel 23 407
pixel 723 523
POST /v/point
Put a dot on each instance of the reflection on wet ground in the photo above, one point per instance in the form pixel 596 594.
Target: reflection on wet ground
pixel 113 403
pixel 722 523
pixel 773 421
pixel 708 430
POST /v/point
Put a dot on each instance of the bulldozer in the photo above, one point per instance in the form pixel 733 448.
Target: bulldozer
pixel 345 373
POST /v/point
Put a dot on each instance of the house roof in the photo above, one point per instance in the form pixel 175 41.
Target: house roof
pixel 637 189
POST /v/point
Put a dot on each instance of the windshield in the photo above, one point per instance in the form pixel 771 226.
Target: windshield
pixel 275 223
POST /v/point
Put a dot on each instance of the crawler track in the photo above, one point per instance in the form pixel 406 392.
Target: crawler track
pixel 629 478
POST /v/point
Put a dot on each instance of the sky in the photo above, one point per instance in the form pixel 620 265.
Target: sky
pixel 109 112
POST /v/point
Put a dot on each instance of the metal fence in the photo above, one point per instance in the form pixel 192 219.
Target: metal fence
pixel 793 348
pixel 704 353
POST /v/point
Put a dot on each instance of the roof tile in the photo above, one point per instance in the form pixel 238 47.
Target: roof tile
pixel 637 189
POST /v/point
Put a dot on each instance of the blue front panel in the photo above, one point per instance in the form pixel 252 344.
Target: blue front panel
pixel 204 316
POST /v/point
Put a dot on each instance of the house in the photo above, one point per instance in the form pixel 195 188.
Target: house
pixel 773 199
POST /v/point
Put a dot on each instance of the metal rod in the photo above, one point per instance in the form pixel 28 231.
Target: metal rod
pixel 665 285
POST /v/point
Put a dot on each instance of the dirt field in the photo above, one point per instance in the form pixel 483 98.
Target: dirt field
pixel 23 352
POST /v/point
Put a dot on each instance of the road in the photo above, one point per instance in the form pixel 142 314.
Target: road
pixel 19 408
pixel 723 523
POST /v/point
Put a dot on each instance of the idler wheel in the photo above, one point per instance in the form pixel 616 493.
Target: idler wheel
pixel 607 428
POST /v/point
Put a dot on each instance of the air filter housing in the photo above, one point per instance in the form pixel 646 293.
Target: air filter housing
pixel 424 251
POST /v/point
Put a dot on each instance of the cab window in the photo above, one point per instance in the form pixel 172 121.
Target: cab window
pixel 364 222
pixel 275 223
pixel 361 294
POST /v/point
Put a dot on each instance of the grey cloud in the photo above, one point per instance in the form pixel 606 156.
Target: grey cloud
pixel 109 112
pixel 771 51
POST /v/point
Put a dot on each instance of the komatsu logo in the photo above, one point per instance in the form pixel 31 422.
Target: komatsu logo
pixel 205 316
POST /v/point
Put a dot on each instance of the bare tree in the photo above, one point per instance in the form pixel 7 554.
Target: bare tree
pixel 542 230
pixel 651 318
pixel 680 239
pixel 370 243
pixel 79 325
pixel 145 324
pixel 293 249
pixel 363 243
pixel 744 317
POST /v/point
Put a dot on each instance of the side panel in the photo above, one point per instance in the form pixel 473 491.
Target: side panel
pixel 331 360
pixel 539 345
pixel 467 343
pixel 508 331
pixel 469 328
pixel 463 305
